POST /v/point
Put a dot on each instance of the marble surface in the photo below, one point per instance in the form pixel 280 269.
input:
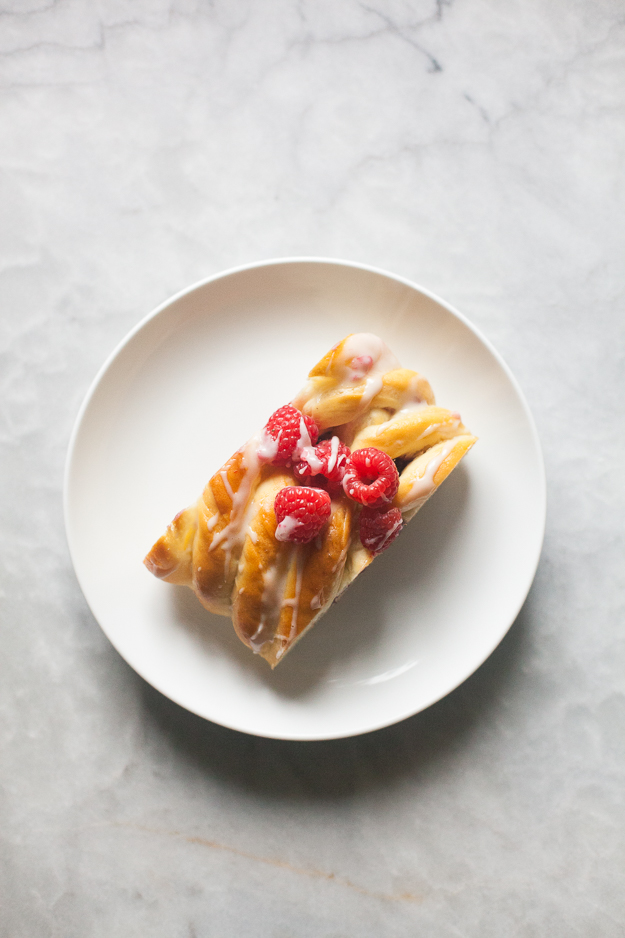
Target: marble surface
pixel 474 146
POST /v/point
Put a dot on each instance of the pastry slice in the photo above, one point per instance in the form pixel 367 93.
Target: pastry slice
pixel 297 513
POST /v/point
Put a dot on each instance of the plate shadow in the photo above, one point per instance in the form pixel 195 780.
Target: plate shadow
pixel 280 770
pixel 334 769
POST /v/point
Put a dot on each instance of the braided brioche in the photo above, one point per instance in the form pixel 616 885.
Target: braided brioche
pixel 225 546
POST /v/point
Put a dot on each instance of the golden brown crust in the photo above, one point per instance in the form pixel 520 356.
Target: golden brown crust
pixel 397 383
pixel 437 462
pixel 461 447
pixel 327 366
pixel 333 403
pixel 170 558
pixel 262 570
pixel 410 432
pixel 324 566
pixel 313 580
pixel 214 559
pixel 336 406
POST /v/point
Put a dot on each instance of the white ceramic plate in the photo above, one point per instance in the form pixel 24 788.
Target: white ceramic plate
pixel 187 387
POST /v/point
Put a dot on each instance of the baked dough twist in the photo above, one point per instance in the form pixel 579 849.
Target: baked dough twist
pixel 224 547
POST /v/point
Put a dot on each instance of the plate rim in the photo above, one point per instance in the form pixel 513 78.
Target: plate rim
pixel 276 262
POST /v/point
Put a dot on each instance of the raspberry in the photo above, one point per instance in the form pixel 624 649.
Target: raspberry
pixel 371 477
pixel 285 434
pixel 301 513
pixel 379 528
pixel 328 458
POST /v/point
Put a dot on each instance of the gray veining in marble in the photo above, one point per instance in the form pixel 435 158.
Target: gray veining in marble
pixel 475 146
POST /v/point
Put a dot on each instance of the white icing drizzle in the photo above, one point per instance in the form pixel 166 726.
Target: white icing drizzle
pixel 253 535
pixel 448 426
pixel 267 447
pixel 431 428
pixel 309 454
pixel 334 452
pixel 255 644
pixel 294 603
pixel 373 386
pixel 341 558
pixel 234 532
pixel 364 355
pixel 304 442
pixel 409 407
pixel 274 579
pixel 270 582
pixel 423 486
pixel 360 347
pixel 210 524
pixel 286 528
pixel 226 481
pixel 389 534
pixel 316 601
